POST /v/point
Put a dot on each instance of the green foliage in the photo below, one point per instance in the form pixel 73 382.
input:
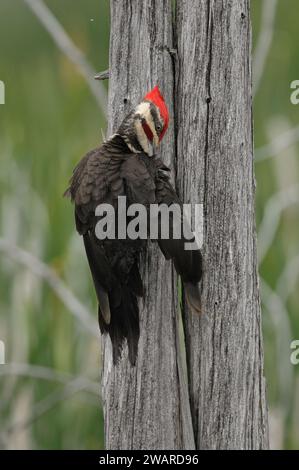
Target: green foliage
pixel 49 121
pixel 273 115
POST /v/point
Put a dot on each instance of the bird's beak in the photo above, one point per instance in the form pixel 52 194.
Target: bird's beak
pixel 156 141
pixel 154 146
pixel 151 149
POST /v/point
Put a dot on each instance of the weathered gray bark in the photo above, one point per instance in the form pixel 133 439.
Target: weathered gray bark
pixel 146 407
pixel 215 168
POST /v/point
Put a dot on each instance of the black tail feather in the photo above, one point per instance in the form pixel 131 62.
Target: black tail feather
pixel 188 264
pixel 124 323
pixel 118 307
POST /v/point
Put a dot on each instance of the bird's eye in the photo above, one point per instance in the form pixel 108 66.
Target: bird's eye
pixel 159 127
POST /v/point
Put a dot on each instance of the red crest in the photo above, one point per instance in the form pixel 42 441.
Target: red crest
pixel 155 97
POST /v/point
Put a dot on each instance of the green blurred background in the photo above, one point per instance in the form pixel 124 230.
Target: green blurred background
pixel 49 121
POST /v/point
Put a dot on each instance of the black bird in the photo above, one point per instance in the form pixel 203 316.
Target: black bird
pixel 125 165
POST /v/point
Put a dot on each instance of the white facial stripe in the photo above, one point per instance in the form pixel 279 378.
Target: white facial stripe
pixel 142 139
pixel 131 147
pixel 144 110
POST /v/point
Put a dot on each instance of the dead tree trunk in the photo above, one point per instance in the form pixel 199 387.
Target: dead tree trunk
pixel 215 168
pixel 146 407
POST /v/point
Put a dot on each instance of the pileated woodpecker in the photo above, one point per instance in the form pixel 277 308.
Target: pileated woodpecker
pixel 125 165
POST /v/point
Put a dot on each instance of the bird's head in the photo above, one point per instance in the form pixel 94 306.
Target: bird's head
pixel 144 128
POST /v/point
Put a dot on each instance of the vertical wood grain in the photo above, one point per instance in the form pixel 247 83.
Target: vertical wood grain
pixel 215 168
pixel 146 407
pixel 209 144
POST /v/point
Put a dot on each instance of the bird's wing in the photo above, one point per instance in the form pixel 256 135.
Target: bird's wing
pixel 139 181
pixel 95 180
pixel 100 177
